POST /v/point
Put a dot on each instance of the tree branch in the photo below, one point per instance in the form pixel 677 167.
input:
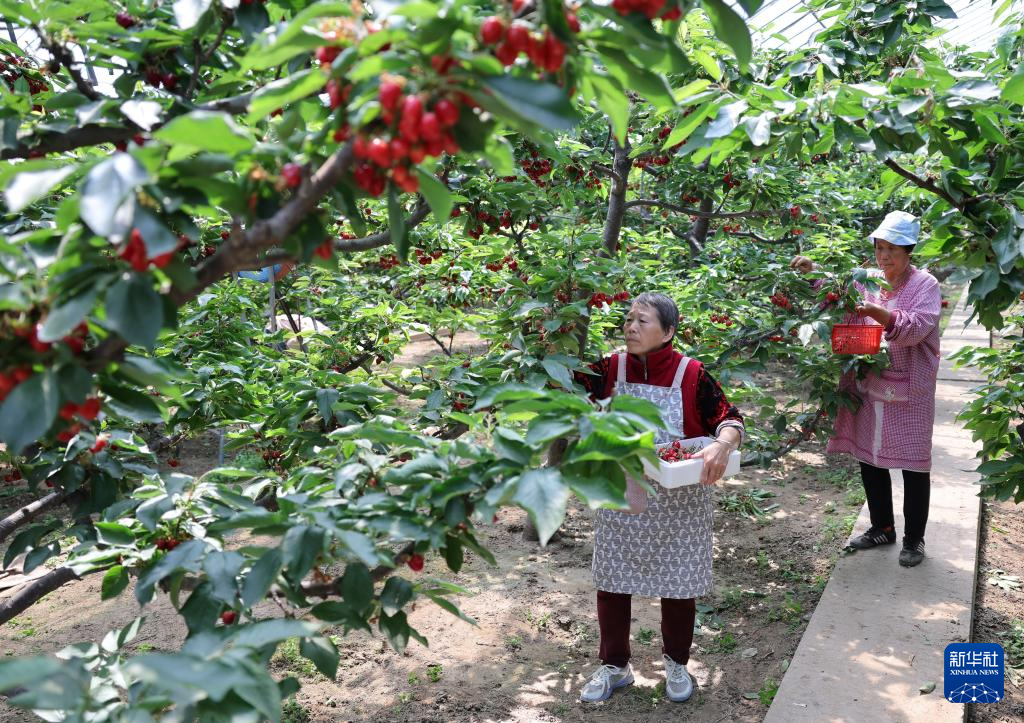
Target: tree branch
pixel 65 58
pixel 927 184
pixel 698 212
pixel 202 56
pixel 29 512
pixel 35 591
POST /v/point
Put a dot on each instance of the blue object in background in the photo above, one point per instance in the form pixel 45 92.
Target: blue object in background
pixel 261 275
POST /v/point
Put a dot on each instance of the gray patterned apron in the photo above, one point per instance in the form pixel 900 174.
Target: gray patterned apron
pixel 664 551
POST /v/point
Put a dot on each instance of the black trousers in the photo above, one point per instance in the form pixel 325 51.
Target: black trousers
pixel 916 491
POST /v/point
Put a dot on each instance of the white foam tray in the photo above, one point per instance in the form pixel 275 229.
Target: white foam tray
pixel 686 472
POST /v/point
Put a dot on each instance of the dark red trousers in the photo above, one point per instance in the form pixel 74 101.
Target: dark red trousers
pixel 613 613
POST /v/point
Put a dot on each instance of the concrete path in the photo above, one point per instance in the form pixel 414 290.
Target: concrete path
pixel 878 634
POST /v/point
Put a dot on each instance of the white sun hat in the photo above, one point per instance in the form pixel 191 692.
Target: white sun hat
pixel 899 228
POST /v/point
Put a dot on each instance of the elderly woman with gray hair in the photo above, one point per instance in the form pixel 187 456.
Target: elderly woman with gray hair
pixel 661 546
pixel 892 427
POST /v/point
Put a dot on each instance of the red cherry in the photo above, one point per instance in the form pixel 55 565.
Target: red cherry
pixel 325 249
pixel 170 80
pixel 447 112
pixel 518 38
pixel 121 146
pixel 506 54
pixel 379 152
pixel 573 22
pixel 101 442
pixel 390 94
pixel 125 20
pixel 292 174
pixel 326 54
pixel 33 340
pixel 173 462
pixel 430 128
pixel 228 617
pixel 673 14
pixel 492 30
pixel 68 411
pixel 416 563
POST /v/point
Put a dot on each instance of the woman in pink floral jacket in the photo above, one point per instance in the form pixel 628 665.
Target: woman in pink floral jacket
pixel 892 428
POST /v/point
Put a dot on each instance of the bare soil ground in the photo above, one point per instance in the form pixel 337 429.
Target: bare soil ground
pixel 999 604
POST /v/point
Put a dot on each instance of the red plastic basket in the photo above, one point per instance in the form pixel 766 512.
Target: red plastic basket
pixel 856 338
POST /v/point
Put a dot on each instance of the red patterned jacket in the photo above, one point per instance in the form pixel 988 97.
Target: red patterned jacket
pixel 705 408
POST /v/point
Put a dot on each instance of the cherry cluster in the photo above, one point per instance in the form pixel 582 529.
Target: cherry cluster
pixel 732 228
pixel 650 8
pixel 600 298
pixel 388 262
pixel 576 173
pixel 536 168
pixel 155 77
pixel 14 68
pixel 776 337
pixel 413 134
pixel 169 543
pixel 13 476
pixel 676 452
pixel 721 319
pixel 781 300
pixel 729 182
pixel 545 51
pixel 425 259
pixel 499 265
pixel 794 212
pixel 87 412
pixel 645 161
pixel 689 199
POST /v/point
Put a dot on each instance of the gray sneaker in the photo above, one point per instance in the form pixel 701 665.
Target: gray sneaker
pixel 604 681
pixel 678 685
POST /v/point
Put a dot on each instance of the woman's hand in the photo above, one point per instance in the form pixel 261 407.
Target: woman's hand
pixel 716 457
pixel 876 312
pixel 802 264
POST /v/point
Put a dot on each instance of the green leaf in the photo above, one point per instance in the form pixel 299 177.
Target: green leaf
pixel 27 671
pixel 28 411
pixel 498 153
pixel 222 568
pixel 112 533
pixel 726 120
pixel 651 86
pixel 30 186
pixel 730 28
pixel 185 556
pixel 357 586
pixel 613 101
pixel 396 629
pixel 538 103
pixel 114 582
pixel 282 92
pixel 210 131
pixel 273 631
pixel 558 372
pixel 107 203
pixel 437 195
pixel 134 310
pixel 396 593
pixel 262 575
pixel 322 652
pixel 65 317
pixel 759 128
pixel 543 494
pixel 1013 91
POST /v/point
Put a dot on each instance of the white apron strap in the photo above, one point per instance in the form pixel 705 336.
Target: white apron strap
pixel 677 381
pixel 620 363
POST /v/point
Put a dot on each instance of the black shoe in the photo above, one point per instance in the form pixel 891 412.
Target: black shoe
pixel 873 538
pixel 912 552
